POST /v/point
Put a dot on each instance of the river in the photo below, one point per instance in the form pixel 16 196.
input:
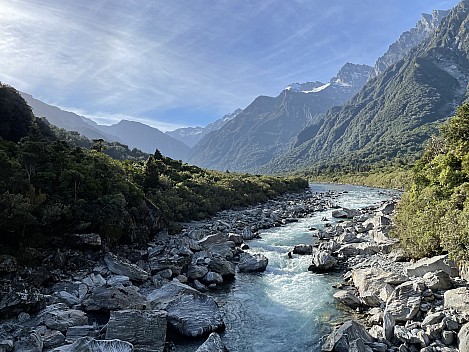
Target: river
pixel 286 308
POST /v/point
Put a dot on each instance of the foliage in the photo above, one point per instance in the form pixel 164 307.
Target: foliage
pixel 433 215
pixel 54 182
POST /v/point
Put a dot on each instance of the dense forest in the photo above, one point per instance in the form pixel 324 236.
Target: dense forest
pixel 54 182
pixel 433 215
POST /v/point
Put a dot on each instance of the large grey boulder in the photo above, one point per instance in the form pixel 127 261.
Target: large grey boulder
pixel 210 240
pixel 303 249
pixel 463 338
pixel 120 266
pixel 194 315
pixel 248 234
pixel 457 299
pixel 61 320
pixel 427 265
pixel 347 298
pixel 322 261
pixel 222 266
pixel 114 298
pixel 196 271
pixel 345 213
pixel 342 337
pixel 388 325
pixel 88 344
pixel 404 302
pixel 252 262
pixel 438 280
pixel 161 297
pixel 212 344
pixel 376 281
pixel 146 330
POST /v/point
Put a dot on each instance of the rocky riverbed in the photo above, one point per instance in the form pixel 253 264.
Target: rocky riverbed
pixel 399 305
pixel 83 298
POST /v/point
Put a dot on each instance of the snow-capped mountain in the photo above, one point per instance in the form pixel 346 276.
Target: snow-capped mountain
pixel 192 135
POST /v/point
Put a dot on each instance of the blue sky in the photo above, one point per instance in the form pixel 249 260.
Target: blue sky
pixel 173 63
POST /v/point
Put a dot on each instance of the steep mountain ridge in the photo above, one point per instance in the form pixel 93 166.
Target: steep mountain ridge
pixel 395 112
pixel 265 128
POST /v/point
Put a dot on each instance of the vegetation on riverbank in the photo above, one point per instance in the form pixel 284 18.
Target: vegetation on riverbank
pixel 53 182
pixel 433 215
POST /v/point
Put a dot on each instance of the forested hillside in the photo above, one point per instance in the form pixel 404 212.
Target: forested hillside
pixel 53 183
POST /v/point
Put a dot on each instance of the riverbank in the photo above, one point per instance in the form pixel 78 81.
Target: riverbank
pixel 81 297
pixel 399 305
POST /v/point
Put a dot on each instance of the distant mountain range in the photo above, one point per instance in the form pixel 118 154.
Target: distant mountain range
pixel 363 114
pixel 192 135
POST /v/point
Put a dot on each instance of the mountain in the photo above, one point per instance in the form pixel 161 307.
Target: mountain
pixel 147 139
pixel 66 119
pixel 192 135
pixel 265 128
pixel 396 111
pixel 133 134
pixel 409 39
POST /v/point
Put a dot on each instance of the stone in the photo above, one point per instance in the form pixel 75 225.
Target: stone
pixel 356 249
pixel 388 325
pixel 115 280
pixel 347 298
pixel 211 240
pixel 212 344
pixel 457 299
pixel 13 303
pixel 376 331
pixel 53 338
pixel 404 303
pixel 370 299
pixel 114 298
pixel 194 315
pixel 88 344
pixel 146 330
pixel 68 298
pixel 463 338
pixel 196 271
pixel 237 239
pixel 427 265
pixel 61 320
pixel 29 341
pixel 176 263
pixel 165 273
pixel 322 261
pixel 76 332
pixel 373 280
pixel 199 286
pixel 433 318
pixel 161 297
pixel 248 234
pixel 341 338
pixel 222 266
pixel 120 266
pixel 448 337
pixel 387 208
pixel 438 280
pixel 345 213
pixel 252 262
pixel 303 249
pixel 213 278
pixel 405 335
pixel 359 346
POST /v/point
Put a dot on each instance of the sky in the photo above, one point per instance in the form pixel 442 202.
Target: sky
pixel 177 63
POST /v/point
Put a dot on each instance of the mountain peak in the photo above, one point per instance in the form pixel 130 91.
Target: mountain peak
pixel 352 75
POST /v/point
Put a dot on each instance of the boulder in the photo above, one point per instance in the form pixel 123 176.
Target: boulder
pixel 373 280
pixel 463 338
pixel 120 266
pixel 427 265
pixel 29 341
pixel 161 297
pixel 252 262
pixel 176 263
pixel 322 261
pixel 404 303
pixel 237 239
pixel 222 266
pixel 196 271
pixel 88 344
pixel 342 337
pixel 432 319
pixel 345 213
pixel 303 249
pixel 457 299
pixel 194 315
pixel 114 298
pixel 52 338
pixel 212 344
pixel 248 234
pixel 61 320
pixel 213 278
pixel 15 302
pixel 76 332
pixel 404 335
pixel 387 208
pixel 146 330
pixel 438 280
pixel 388 325
pixel 355 249
pixel 347 298
pixel 210 240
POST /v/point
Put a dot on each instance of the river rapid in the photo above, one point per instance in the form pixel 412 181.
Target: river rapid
pixel 285 308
